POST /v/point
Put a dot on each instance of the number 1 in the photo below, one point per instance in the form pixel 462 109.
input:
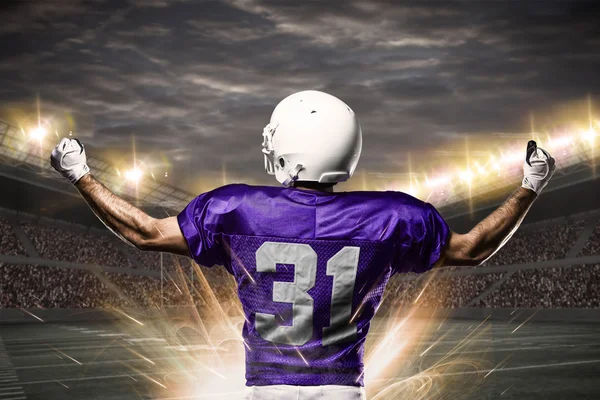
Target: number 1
pixel 343 267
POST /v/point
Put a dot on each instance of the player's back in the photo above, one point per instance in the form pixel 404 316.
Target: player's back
pixel 311 268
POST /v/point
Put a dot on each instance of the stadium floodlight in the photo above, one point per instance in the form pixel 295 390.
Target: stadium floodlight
pixel 467 176
pixel 412 191
pixel 480 169
pixel 560 142
pixel 16 153
pixel 438 181
pixel 134 175
pixel 588 136
pixel 512 157
pixel 38 133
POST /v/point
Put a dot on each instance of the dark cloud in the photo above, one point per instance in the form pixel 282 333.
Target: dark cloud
pixel 195 81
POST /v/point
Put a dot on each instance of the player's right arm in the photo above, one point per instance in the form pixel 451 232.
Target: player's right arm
pixel 129 223
pixel 487 237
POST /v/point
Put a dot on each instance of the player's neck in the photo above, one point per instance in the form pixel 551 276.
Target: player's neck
pixel 320 187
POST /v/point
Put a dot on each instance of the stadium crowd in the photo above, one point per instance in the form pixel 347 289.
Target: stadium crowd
pixel 564 287
pixel 37 286
pixel 532 245
pixel 437 292
pixel 55 243
pixel 592 247
pixel 27 286
pixel 538 244
pixel 9 243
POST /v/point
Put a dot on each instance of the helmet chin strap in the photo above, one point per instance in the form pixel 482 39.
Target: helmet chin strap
pixel 293 175
pixel 267 148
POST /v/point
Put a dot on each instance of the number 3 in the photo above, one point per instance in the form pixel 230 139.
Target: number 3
pixel 342 266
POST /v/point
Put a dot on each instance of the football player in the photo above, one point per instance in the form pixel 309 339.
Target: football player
pixel 310 264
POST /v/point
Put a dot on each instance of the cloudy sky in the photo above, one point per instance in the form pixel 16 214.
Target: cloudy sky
pixel 194 82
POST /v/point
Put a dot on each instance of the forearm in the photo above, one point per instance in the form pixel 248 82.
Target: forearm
pixel 128 222
pixel 487 237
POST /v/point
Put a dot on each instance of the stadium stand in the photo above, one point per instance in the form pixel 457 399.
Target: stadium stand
pixel 442 292
pixel 151 260
pixel 592 247
pixel 9 243
pixel 538 243
pixel 55 240
pixel 61 244
pixel 28 286
pixel 66 286
pixel 566 287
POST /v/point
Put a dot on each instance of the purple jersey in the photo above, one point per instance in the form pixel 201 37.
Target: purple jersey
pixel 310 268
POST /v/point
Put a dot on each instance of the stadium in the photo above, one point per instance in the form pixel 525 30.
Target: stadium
pixel 178 268
pixel 104 320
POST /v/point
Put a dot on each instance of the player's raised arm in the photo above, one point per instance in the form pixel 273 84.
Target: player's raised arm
pixel 487 237
pixel 128 222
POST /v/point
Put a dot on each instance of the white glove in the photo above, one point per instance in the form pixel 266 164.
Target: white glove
pixel 68 158
pixel 538 168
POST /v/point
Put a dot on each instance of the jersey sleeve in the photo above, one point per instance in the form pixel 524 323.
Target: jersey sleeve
pixel 197 222
pixel 425 235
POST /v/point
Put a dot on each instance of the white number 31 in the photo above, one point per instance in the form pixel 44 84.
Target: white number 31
pixel 342 267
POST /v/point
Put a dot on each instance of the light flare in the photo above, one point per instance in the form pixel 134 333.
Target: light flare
pixel 500 365
pixel 64 354
pixel 527 320
pixel 438 181
pixel 466 176
pixel 31 314
pixel 588 136
pixel 125 315
pixel 559 143
pixel 134 175
pixel 38 133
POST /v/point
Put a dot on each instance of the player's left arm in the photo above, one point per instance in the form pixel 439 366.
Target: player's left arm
pixel 489 235
pixel 128 222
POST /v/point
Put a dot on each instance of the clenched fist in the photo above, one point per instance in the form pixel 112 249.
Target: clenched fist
pixel 538 168
pixel 68 158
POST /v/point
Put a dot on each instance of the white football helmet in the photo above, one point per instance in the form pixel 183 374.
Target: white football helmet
pixel 312 136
